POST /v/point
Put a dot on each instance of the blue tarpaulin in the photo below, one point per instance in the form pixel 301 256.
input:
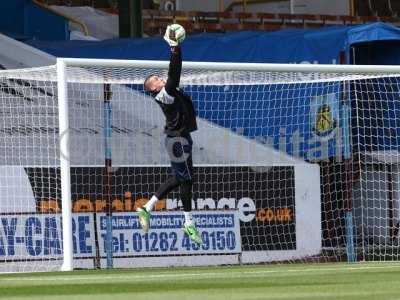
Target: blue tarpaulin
pixel 284 46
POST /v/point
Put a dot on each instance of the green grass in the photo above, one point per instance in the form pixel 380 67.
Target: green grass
pixel 298 281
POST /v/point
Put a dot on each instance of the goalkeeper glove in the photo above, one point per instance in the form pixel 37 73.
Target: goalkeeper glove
pixel 174 35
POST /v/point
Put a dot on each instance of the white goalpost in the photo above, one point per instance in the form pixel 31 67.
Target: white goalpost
pixel 292 163
pixel 65 173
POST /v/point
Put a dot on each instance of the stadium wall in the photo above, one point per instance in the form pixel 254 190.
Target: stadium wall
pixel 22 19
pixel 340 7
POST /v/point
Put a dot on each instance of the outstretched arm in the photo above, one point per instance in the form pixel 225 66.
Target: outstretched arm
pixel 174 72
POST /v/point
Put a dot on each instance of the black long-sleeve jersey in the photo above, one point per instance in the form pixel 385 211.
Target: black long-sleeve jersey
pixel 180 115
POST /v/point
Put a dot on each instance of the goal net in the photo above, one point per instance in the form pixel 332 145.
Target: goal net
pixel 292 163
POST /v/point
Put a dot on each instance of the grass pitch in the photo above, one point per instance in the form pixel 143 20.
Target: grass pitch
pixel 299 281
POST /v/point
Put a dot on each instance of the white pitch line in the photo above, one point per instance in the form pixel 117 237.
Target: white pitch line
pixel 166 276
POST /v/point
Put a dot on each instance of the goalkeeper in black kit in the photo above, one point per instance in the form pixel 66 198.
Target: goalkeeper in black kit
pixel 180 120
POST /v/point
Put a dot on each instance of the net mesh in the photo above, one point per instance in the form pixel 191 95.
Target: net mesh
pixel 29 151
pixel 306 162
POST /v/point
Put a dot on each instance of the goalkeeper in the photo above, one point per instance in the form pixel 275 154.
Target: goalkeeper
pixel 180 120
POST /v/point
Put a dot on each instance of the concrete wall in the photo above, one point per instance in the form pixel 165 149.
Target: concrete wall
pixel 15 55
pixel 338 7
pixel 212 5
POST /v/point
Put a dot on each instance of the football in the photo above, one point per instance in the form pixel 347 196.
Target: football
pixel 177 33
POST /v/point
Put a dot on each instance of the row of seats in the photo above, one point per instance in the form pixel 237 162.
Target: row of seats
pixel 155 20
pixel 382 8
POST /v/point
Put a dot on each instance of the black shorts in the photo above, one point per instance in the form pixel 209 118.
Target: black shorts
pixel 179 150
